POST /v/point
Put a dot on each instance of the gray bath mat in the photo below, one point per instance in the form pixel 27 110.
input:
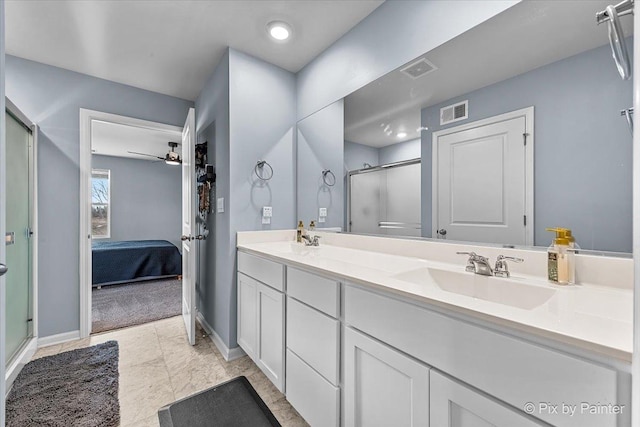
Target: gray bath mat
pixel 234 403
pixel 75 388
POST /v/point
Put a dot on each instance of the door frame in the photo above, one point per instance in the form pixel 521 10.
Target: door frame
pixel 528 114
pixel 85 267
pixel 31 345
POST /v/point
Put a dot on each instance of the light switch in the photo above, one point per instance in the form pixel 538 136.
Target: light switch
pixel 220 205
pixel 267 212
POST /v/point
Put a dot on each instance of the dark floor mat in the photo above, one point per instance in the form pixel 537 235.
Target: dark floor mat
pixel 234 403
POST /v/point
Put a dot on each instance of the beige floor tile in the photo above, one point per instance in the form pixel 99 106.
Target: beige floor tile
pixel 171 327
pixel 141 394
pixel 147 422
pixel 47 351
pixel 158 366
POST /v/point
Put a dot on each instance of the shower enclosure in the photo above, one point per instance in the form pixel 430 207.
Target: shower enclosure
pixel 385 199
pixel 18 240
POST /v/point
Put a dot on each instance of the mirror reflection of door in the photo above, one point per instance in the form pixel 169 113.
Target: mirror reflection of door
pixel 480 181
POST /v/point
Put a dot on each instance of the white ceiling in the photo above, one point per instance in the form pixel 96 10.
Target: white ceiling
pixel 527 36
pixel 172 47
pixel 110 139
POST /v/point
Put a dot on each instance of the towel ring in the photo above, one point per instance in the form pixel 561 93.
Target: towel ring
pixel 260 167
pixel 328 177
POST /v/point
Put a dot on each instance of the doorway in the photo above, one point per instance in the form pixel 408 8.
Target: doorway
pixel 130 235
pixel 20 241
pixel 494 154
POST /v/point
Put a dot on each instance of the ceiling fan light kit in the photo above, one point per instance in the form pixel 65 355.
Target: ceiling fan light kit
pixel 171 158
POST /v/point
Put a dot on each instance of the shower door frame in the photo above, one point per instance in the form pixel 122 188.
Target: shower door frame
pixel 386 166
pixel 29 348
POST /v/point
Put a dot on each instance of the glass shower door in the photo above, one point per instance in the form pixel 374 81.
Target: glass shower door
pixel 17 240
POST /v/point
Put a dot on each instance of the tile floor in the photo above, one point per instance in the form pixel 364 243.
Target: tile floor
pixel 157 367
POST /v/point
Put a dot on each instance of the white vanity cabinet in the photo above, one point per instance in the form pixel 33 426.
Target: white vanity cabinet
pixel 454 404
pixel 313 347
pixel 261 314
pixel 383 387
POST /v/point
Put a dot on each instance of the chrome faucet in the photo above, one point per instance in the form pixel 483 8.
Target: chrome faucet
pixel 311 241
pixel 501 269
pixel 477 264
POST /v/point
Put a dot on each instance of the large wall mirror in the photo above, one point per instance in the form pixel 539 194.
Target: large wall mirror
pixel 515 126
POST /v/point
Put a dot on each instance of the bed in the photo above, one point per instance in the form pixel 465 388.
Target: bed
pixel 133 260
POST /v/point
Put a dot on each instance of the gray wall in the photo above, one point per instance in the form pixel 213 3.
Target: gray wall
pixel 582 159
pixel 393 34
pixel 146 199
pixel 356 155
pixel 398 152
pixel 262 113
pixel 52 98
pixel 212 119
pixel 321 146
pixel 252 104
pixel 3 181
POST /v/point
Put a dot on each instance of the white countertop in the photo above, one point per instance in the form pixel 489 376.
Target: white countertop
pixel 591 317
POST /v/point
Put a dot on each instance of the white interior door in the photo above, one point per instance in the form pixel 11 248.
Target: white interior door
pixel 481 182
pixel 188 226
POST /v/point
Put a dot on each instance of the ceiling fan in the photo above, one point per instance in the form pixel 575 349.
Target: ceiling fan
pixel 172 158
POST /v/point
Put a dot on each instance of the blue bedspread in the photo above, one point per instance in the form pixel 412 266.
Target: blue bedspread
pixel 135 259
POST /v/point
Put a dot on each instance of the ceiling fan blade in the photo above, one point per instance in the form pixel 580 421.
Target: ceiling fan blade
pixel 144 154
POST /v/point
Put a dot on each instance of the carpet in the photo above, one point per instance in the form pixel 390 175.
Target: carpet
pixel 234 403
pixel 119 306
pixel 77 388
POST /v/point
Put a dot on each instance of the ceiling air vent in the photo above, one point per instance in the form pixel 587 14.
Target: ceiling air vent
pixel 419 68
pixel 454 113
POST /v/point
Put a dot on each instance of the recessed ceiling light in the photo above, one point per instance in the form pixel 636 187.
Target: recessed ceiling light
pixel 279 30
pixel 401 134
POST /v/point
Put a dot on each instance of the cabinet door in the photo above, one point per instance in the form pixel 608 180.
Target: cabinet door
pixel 270 354
pixel 454 404
pixel 247 314
pixel 383 387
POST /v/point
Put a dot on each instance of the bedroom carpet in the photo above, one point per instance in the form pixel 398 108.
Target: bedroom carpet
pixel 75 388
pixel 129 304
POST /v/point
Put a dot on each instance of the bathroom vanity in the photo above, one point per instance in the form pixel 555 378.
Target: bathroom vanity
pixel 379 331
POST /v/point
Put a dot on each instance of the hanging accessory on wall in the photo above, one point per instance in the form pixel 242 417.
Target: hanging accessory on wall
pixel 328 177
pixel 611 15
pixel 260 172
pixel 627 113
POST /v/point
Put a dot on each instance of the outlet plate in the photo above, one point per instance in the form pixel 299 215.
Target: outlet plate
pixel 267 212
pixel 322 212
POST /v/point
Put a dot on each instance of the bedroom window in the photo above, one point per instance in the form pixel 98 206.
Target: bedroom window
pixel 100 203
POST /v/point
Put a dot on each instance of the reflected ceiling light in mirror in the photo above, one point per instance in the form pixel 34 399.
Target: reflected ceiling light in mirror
pixel 401 134
pixel 279 30
pixel 421 128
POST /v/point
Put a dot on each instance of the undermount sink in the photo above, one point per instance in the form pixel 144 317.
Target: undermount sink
pixel 494 289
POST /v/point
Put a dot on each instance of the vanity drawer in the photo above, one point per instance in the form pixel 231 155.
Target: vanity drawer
pixel 508 368
pixel 314 398
pixel 318 292
pixel 268 272
pixel 315 338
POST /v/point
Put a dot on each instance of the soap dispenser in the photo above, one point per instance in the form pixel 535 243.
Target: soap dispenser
pixel 299 232
pixel 560 268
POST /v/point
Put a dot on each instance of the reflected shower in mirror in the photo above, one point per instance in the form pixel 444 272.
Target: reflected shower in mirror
pixel 518 126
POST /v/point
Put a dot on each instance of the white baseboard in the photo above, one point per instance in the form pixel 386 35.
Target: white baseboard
pixel 227 353
pixel 58 338
pixel 23 358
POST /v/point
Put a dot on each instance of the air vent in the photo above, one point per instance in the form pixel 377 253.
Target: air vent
pixel 454 113
pixel 419 68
